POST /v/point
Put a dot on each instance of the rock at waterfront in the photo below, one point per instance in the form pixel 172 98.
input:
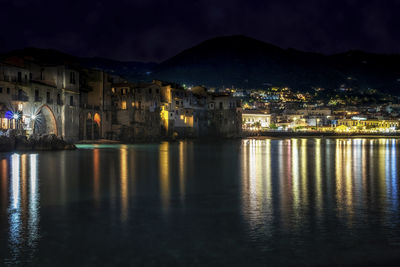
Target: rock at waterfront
pixel 9 141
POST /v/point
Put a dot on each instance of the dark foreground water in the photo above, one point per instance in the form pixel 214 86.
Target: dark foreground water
pixel 241 203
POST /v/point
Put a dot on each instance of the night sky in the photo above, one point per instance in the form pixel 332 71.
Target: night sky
pixel 149 30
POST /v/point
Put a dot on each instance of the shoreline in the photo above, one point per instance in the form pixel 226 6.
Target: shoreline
pixel 271 135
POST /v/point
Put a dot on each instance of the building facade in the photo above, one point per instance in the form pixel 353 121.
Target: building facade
pixel 39 99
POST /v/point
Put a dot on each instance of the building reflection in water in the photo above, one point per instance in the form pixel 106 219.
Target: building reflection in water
pixel 164 176
pixel 14 210
pixel 124 182
pixel 33 201
pixel 343 175
pixel 318 177
pixel 257 191
pixel 182 169
pixel 96 174
pixel 24 204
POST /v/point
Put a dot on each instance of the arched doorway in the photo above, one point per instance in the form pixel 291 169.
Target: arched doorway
pixel 89 126
pixel 45 121
pixel 96 125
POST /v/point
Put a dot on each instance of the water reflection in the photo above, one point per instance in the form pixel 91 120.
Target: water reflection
pixel 361 172
pixel 96 174
pixel 182 169
pixel 24 204
pixel 164 176
pixel 14 210
pixel 294 195
pixel 124 182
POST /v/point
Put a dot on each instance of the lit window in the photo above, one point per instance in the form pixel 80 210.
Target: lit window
pixel 123 105
pixel 20 107
pixel 133 104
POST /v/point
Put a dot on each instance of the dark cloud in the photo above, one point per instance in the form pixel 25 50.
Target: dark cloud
pixel 151 30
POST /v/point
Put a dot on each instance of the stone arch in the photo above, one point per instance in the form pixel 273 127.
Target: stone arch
pixel 96 125
pixel 97 119
pixel 45 121
pixel 89 126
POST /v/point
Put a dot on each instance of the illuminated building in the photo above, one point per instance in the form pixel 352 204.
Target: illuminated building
pixel 44 99
pixel 253 119
pixel 359 123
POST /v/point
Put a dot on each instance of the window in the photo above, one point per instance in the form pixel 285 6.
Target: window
pixel 58 99
pixel 1 90
pixel 37 96
pixel 71 100
pixel 150 91
pixel 133 104
pixel 221 105
pixel 72 77
pixel 19 76
pixel 157 91
pixel 8 90
pixel 48 97
pixel 123 105
pixel 30 76
pixel 139 105
pixel 113 90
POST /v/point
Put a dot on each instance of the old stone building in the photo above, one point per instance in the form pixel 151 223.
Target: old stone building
pixel 183 112
pixel 136 114
pixel 39 99
pixel 224 115
pixel 95 105
pixel 85 104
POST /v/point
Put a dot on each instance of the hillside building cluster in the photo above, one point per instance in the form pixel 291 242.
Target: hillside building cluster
pixel 86 104
pixel 288 111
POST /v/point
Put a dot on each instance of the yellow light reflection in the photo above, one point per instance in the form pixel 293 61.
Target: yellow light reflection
pixel 382 166
pixel 304 173
pixel 4 181
pixel 268 176
pixel 257 184
pixel 338 172
pixel 349 179
pixel 96 173
pixel 164 175
pixel 124 182
pixel 318 182
pixel 296 177
pixel 182 169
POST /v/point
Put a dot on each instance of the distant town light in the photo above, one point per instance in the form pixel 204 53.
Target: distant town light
pixel 15 116
pixel 358 118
